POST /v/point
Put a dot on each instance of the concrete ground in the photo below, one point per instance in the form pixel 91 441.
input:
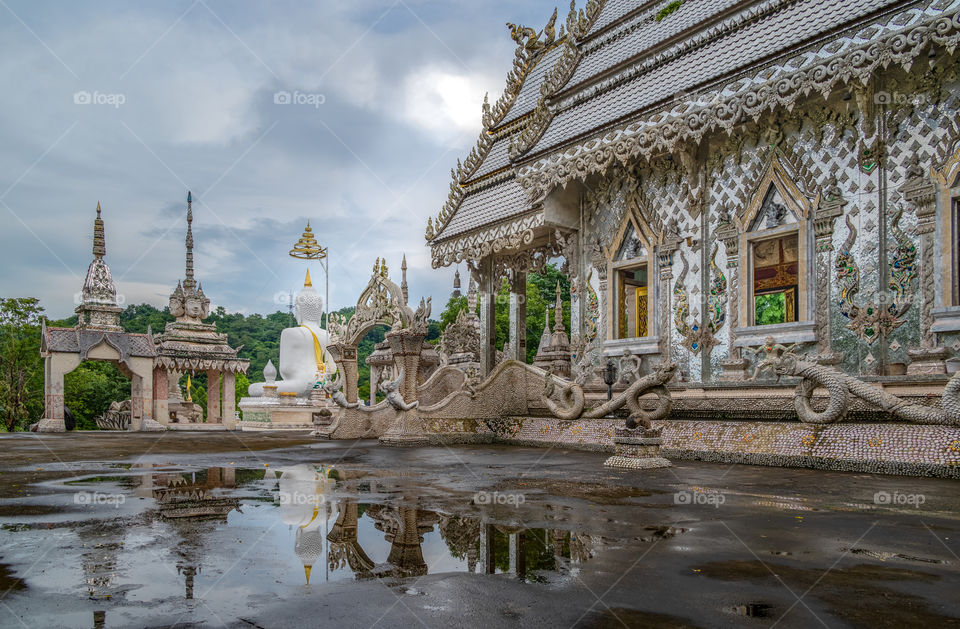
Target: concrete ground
pixel 695 545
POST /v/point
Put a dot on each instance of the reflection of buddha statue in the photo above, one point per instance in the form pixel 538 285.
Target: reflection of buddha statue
pixel 303 350
pixel 303 505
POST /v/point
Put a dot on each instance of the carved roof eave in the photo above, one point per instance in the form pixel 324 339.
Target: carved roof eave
pixel 662 131
pixel 196 363
pixel 509 235
pixel 530 50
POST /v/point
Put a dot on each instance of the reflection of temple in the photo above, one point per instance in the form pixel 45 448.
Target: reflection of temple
pixel 183 498
pixel 404 528
pixel 345 549
pixel 494 548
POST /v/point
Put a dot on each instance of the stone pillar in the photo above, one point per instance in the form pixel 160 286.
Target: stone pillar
pixel 734 367
pixel 823 222
pixel 518 316
pixel 52 397
pixel 487 563
pixel 921 194
pixel 488 323
pixel 406 553
pixel 229 400
pixel 406 346
pixel 161 395
pixel 374 381
pixel 213 397
pixel 518 554
pixel 665 262
pixel 346 358
pixel 141 396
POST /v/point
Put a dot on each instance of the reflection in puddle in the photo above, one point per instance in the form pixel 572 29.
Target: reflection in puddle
pixel 220 536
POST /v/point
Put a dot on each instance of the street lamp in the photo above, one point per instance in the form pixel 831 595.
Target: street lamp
pixel 307 248
pixel 609 377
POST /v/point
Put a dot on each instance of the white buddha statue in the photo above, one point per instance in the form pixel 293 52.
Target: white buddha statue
pixel 304 360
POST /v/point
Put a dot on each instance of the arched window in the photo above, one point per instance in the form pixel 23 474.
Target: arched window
pixel 632 290
pixel 774 263
pixel 774 250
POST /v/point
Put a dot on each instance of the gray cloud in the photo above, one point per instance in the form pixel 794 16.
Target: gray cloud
pixel 401 84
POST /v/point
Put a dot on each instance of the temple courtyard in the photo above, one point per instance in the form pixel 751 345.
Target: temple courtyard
pixel 227 529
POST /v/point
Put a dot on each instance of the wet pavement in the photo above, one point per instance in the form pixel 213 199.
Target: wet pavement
pixel 247 530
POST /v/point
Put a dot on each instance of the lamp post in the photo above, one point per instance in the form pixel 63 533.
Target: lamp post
pixel 609 377
pixel 307 248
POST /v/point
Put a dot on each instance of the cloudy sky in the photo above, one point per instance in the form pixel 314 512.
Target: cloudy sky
pixel 182 96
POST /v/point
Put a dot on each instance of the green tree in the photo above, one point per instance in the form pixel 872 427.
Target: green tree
pixel 21 368
pixel 91 388
pixel 541 295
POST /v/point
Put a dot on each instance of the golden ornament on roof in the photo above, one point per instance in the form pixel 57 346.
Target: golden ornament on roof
pixel 307 248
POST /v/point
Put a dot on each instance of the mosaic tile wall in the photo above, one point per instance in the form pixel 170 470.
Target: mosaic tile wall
pixel 882 448
pixel 866 147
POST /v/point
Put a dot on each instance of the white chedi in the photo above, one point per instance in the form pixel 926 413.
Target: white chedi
pixel 301 365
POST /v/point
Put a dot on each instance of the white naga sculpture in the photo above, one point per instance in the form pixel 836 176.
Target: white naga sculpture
pixel 304 360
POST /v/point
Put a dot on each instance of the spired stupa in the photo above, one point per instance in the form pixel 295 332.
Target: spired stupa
pixel 188 345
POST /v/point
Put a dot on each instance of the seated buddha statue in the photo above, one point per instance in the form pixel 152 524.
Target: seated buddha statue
pixel 304 360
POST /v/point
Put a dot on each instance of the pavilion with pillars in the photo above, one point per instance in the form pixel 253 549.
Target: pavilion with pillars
pixel 188 345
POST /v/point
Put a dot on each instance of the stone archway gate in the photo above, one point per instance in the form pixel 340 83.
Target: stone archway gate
pixel 382 302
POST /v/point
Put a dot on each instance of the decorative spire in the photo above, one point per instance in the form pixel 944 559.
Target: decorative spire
pixel 472 297
pixel 403 281
pixel 189 283
pixel 307 281
pixel 99 242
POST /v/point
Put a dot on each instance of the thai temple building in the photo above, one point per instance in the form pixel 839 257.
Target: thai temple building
pixel 725 181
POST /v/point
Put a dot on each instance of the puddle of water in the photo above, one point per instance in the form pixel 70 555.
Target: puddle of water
pixel 228 537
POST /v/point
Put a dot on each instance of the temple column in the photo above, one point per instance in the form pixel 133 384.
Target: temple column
pixel 921 194
pixel 823 222
pixel 518 554
pixel 374 381
pixel 735 366
pixel 161 395
pixel 487 564
pixel 213 397
pixel 665 265
pixel 141 393
pixel 229 400
pixel 406 346
pixel 53 397
pixel 488 319
pixel 518 316
pixel 346 358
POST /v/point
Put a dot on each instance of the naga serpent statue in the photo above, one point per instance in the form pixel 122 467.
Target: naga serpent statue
pixel 394 397
pixel 335 389
pixel 840 386
pixel 572 399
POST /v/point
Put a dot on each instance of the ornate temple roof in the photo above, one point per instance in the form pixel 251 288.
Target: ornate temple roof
pixel 81 341
pixel 634 79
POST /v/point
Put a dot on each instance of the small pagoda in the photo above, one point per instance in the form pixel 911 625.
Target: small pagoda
pixel 188 345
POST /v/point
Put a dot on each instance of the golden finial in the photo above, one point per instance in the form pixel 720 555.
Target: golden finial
pixel 307 281
pixel 307 248
pixel 306 571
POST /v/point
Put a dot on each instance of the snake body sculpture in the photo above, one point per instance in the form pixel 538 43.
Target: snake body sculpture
pixel 572 399
pixel 335 389
pixel 840 386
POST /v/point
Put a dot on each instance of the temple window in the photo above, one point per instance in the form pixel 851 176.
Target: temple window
pixel 774 257
pixel 631 289
pixel 776 280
